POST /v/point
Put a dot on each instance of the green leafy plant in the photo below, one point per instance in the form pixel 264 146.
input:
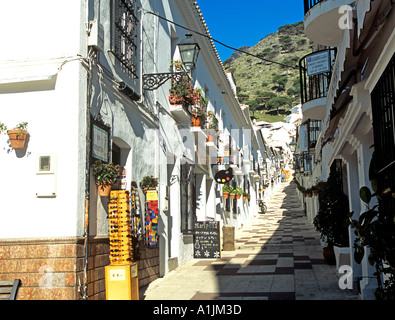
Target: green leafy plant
pixel 227 188
pixel 22 126
pixel 239 191
pixel 247 195
pixel 199 112
pixel 3 127
pixel 148 182
pixel 105 173
pixel 331 219
pixel 177 64
pixel 212 121
pixel 375 229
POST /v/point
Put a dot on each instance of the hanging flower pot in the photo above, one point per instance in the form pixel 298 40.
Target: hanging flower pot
pixel 106 174
pixel 226 190
pixel 18 135
pixel 239 193
pixel 17 138
pixel 148 183
pixel 233 195
pixel 104 189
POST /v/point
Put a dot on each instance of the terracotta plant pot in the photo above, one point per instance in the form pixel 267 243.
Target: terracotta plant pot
pixel 148 189
pixel 195 121
pixel 104 189
pixel 226 195
pixel 238 196
pixel 17 138
pixel 232 195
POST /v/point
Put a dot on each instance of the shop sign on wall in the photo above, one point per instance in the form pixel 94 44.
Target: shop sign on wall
pixel 100 142
pixel 318 63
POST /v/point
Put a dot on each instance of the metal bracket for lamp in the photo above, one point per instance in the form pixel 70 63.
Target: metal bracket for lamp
pixel 153 81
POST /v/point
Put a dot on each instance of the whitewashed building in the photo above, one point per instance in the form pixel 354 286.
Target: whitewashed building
pixel 347 114
pixel 80 79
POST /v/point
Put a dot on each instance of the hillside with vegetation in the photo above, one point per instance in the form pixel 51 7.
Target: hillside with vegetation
pixel 271 89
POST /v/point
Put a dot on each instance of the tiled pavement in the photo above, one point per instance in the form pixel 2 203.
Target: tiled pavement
pixel 277 257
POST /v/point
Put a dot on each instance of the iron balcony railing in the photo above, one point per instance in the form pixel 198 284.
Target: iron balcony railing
pixel 308 4
pixel 316 73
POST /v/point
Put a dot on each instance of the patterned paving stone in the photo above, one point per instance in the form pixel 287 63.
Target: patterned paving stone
pixel 278 257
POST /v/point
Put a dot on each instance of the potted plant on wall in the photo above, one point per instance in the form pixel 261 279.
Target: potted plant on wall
pixel 18 135
pixel 232 194
pixel 106 175
pixel 226 190
pixel 239 193
pixel 176 65
pixel 149 183
pixel 212 125
pixel 198 116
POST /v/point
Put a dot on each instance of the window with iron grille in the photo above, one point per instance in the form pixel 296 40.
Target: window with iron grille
pixel 124 34
pixel 187 198
pixel 383 110
pixel 314 130
pixel 336 172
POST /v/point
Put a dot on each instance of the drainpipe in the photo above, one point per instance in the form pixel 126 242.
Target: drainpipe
pixel 87 175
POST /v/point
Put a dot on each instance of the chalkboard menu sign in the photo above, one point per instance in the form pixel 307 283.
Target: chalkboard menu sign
pixel 207 240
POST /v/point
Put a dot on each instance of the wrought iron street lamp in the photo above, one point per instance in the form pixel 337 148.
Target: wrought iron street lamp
pixel 292 146
pixel 189 51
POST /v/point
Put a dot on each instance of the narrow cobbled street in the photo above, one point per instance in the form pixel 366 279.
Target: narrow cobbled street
pixel 277 257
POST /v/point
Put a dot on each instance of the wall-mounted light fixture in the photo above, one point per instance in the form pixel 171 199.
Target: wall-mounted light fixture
pixel 292 146
pixel 189 51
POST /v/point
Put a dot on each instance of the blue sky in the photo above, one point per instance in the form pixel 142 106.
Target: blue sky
pixel 243 23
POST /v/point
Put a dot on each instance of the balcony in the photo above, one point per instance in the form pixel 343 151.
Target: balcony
pixel 315 76
pixel 180 113
pixel 322 19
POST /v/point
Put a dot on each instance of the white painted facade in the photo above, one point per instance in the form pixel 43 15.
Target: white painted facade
pixel 46 78
pixel 349 135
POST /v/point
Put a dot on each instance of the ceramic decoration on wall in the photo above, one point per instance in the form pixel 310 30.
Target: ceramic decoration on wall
pixel 151 218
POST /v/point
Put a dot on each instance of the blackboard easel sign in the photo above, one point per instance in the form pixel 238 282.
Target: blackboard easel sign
pixel 207 240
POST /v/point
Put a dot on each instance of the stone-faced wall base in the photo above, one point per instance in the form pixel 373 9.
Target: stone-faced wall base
pixel 53 269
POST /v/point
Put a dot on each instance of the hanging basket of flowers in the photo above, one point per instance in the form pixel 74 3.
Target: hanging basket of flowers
pixel 226 190
pixel 182 92
pixel 106 175
pixel 18 135
pixel 149 183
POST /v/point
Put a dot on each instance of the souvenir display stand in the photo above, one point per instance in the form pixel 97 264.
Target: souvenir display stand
pixel 121 275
